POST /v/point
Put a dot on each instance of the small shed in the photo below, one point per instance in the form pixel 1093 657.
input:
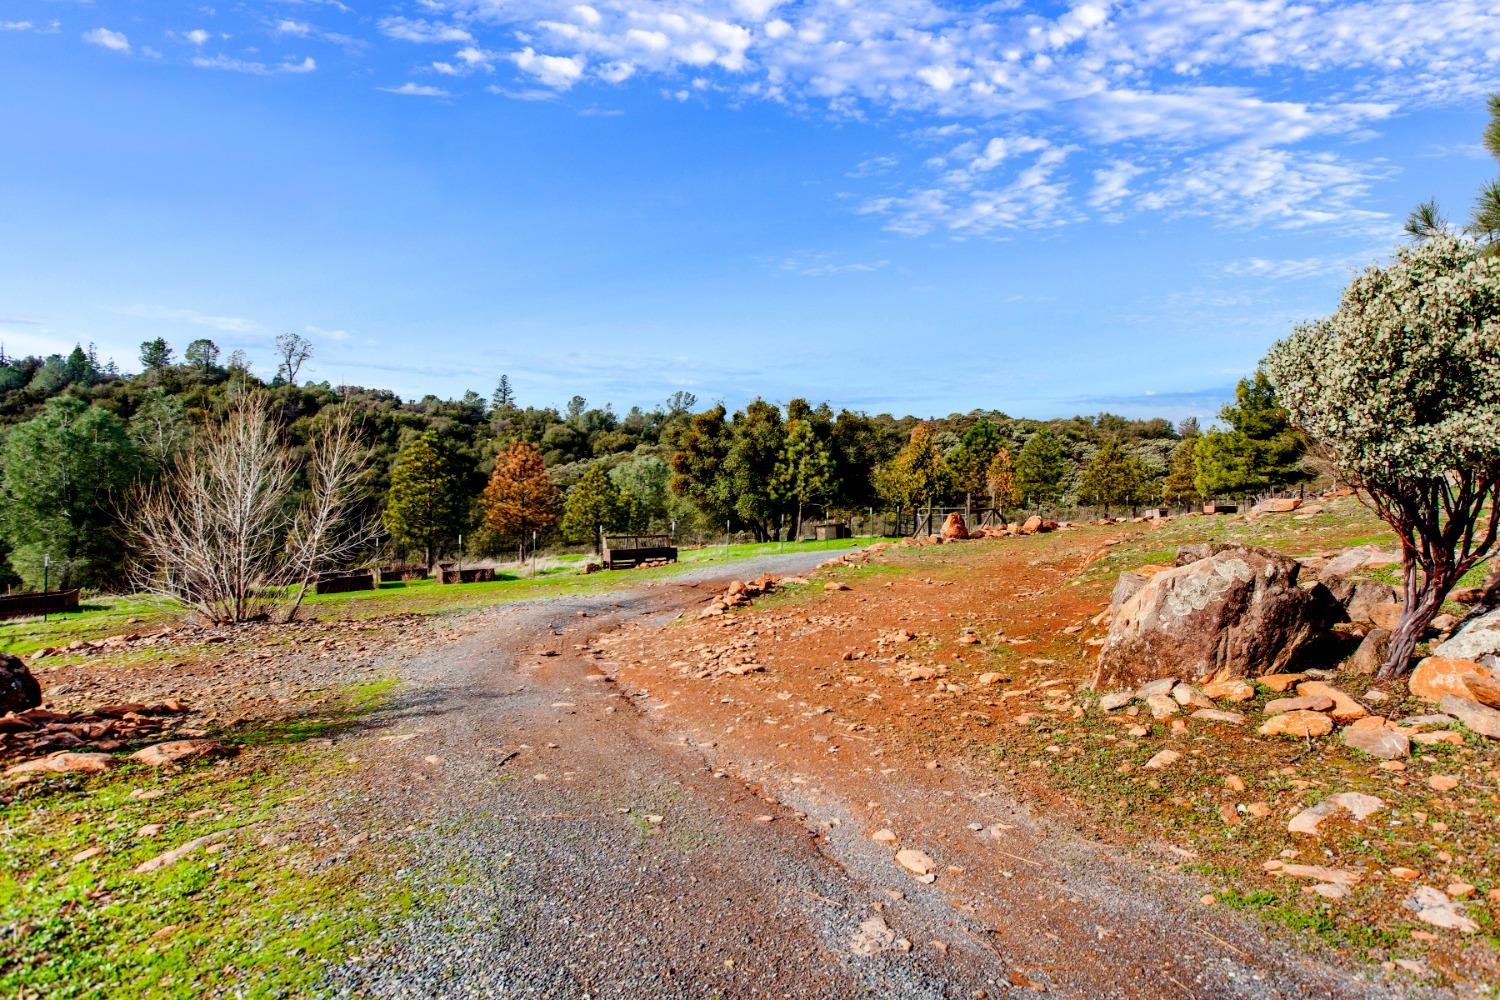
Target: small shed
pixel 828 530
pixel 1220 507
pixel 627 551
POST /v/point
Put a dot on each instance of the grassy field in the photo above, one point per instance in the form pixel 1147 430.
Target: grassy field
pixel 267 908
pixel 105 616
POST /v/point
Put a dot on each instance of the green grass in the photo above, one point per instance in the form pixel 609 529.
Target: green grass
pixel 113 615
pixel 265 916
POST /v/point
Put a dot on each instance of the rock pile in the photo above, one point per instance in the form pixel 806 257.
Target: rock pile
pixel 39 730
pixel 19 690
pixel 739 594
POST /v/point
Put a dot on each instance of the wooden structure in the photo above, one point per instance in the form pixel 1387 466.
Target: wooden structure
pixel 48 602
pixel 627 551
pixel 397 572
pixel 1220 507
pixel 451 573
pixel 830 530
pixel 344 581
pixel 1158 512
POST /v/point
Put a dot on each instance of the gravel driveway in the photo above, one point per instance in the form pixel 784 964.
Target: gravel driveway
pixel 566 845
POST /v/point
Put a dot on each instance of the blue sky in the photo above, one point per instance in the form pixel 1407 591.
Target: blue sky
pixel 893 205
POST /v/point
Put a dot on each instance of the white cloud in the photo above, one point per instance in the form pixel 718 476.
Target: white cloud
pixel 416 90
pixel 560 72
pixel 227 324
pixel 115 41
pixel 233 65
pixel 318 331
pixel 421 31
pixel 16 26
pixel 1303 267
pixel 198 37
pixel 822 265
pixel 286 26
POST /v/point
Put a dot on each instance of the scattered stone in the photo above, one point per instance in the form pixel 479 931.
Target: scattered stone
pixel 1329 890
pixel 19 690
pixel 1163 686
pixel 1277 505
pixel 1478 718
pixel 873 937
pixel 1218 715
pixel 1237 611
pixel 1437 676
pixel 1233 689
pixel 178 853
pixel 1279 682
pixel 149 830
pixel 884 837
pixel 915 861
pixel 1190 697
pixel 990 678
pixel 1445 738
pixel 1378 738
pixel 1475 639
pixel 1320 873
pixel 1161 706
pixel 64 762
pixel 1435 909
pixel 1356 804
pixel 1116 700
pixel 835 585
pixel 1363 557
pixel 1372 651
pixel 176 751
pixel 1345 708
pixel 1164 758
pixel 1442 782
pixel 1302 703
pixel 1300 724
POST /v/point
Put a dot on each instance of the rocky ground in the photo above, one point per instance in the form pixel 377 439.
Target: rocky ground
pixel 889 776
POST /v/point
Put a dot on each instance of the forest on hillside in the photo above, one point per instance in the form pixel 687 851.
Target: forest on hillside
pixel 79 439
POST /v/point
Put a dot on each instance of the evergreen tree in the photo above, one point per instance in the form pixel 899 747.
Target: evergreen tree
pixel 504 398
pixel 1112 478
pixel 756 435
pixel 155 354
pixel 202 354
pixel 594 505
pixel 970 461
pixel 426 505
pixel 916 476
pixel 805 472
pixel 1180 488
pixel 79 368
pixel 1041 469
pixel 698 463
pixel 1260 451
pixel 64 472
pixel 158 428
pixel 520 498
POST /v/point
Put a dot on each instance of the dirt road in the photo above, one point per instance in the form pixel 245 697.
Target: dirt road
pixel 570 843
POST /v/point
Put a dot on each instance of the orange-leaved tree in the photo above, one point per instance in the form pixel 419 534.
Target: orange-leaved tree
pixel 520 498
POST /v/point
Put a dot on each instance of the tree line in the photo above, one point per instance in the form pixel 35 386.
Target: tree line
pixel 79 438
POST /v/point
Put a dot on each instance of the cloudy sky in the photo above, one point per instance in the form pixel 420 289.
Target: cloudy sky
pixel 894 205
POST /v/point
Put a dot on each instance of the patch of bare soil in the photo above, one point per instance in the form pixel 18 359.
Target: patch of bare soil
pixel 939 704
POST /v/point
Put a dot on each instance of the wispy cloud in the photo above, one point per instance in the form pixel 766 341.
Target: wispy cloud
pixel 115 41
pixel 416 90
pixel 422 31
pixel 228 324
pixel 233 65
pixel 822 265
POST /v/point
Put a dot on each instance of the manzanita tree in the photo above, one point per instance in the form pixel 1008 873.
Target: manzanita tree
pixel 1402 386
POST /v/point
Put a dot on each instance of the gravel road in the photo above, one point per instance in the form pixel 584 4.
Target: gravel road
pixel 568 844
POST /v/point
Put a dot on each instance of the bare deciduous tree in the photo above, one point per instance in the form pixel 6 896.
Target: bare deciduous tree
pixel 223 532
pixel 292 350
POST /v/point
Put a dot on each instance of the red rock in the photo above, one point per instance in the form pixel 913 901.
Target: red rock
pixel 1315 703
pixel 1299 724
pixel 162 754
pixel 64 763
pixel 1345 708
pixel 954 527
pixel 1439 676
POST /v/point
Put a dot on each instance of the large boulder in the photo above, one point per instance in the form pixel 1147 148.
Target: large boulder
pixel 19 690
pixel 1236 613
pixel 954 527
pixel 1475 639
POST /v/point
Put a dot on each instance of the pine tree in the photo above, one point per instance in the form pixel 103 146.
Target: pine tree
pixel 805 472
pixel 520 498
pixel 155 354
pixel 970 461
pixel 425 506
pixel 594 505
pixel 1260 451
pixel 1112 478
pixel 1180 489
pixel 504 398
pixel 1041 468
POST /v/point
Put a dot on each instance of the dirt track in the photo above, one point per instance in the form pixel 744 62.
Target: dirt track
pixel 575 845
